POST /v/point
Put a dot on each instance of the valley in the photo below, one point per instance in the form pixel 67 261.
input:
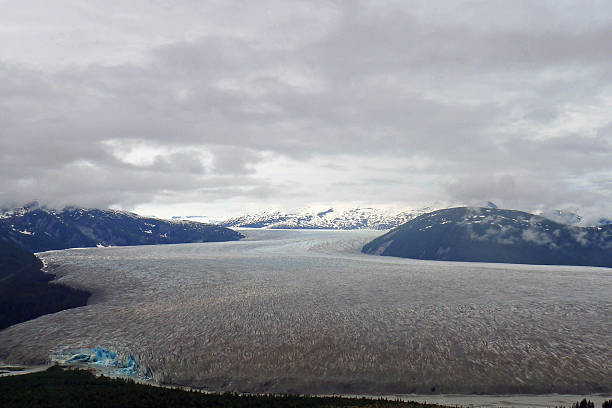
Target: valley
pixel 304 311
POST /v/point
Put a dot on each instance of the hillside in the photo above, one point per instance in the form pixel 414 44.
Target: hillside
pixel 19 261
pixel 58 387
pixel 495 235
pixel 25 291
pixel 40 229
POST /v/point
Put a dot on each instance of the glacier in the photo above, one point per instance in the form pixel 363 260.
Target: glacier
pixel 305 311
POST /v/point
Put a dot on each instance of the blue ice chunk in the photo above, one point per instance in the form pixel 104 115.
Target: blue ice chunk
pixel 130 368
pixel 148 375
pixel 104 357
pixel 79 358
pixel 100 356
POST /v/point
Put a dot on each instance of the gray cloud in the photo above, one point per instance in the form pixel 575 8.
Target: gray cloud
pixel 287 102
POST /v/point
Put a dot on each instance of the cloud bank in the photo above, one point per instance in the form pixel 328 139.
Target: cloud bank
pixel 223 108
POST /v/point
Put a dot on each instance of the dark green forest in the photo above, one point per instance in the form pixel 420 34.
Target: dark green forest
pixel 67 388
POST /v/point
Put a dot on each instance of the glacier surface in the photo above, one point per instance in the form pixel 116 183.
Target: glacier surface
pixel 304 311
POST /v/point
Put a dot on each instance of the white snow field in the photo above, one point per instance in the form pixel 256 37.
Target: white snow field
pixel 306 312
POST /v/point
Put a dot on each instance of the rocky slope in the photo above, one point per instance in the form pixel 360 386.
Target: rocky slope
pixel 40 229
pixel 495 235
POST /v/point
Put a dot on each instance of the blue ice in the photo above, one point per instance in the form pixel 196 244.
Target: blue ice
pixel 130 368
pixel 79 358
pixel 104 357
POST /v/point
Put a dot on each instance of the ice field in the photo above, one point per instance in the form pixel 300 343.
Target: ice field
pixel 304 311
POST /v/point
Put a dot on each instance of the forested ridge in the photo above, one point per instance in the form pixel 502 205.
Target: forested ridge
pixel 25 291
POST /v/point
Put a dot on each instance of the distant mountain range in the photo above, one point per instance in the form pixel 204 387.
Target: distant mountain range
pixel 329 218
pixel 495 235
pixel 377 218
pixel 40 229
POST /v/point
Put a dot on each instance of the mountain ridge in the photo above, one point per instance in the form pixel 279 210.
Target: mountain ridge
pixel 38 228
pixel 476 234
pixel 368 217
pixel 327 218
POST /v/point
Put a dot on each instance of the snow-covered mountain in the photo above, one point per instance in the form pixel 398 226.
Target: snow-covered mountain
pixel 38 228
pixel 197 218
pixel 329 218
pixel 345 217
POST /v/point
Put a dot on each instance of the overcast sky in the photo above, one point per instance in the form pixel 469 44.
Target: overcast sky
pixel 219 107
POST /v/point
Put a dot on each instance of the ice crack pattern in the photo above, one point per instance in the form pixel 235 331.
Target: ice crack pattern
pixel 304 311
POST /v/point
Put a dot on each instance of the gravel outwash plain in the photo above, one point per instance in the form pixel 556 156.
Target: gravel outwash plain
pixel 304 311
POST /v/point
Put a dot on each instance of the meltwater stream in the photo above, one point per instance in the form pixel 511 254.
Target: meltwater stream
pixel 304 311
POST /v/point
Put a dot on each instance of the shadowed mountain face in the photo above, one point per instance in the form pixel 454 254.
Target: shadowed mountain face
pixel 15 260
pixel 40 229
pixel 24 289
pixel 494 235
